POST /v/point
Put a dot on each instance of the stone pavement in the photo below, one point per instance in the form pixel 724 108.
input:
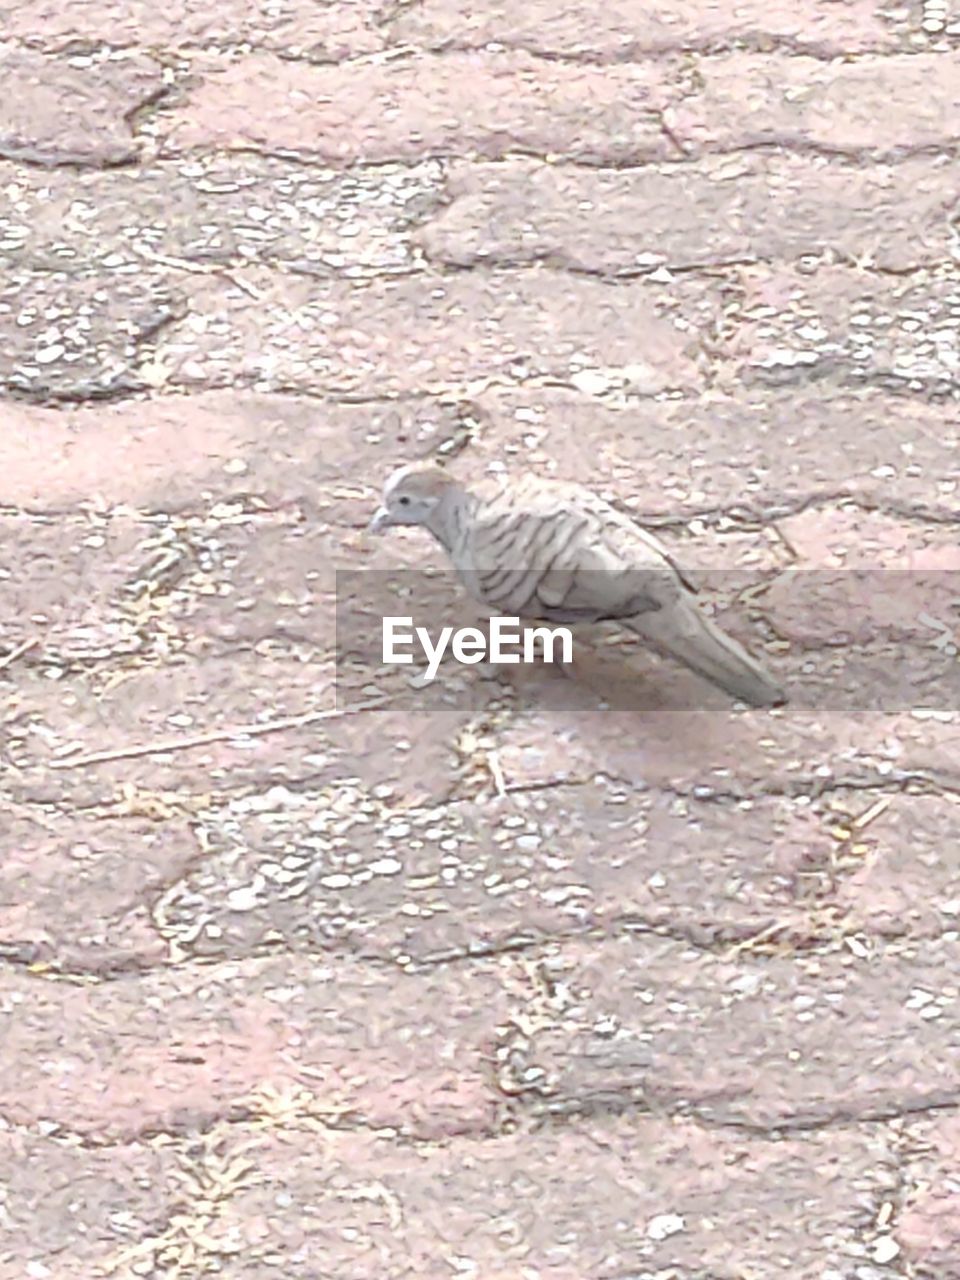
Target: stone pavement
pixel 487 981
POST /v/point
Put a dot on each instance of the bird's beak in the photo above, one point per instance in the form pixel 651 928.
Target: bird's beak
pixel 380 521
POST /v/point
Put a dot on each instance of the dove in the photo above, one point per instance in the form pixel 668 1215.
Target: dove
pixel 554 551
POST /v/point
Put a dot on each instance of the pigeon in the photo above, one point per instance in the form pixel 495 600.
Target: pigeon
pixel 554 551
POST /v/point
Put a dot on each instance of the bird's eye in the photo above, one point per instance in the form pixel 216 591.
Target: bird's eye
pixel 404 502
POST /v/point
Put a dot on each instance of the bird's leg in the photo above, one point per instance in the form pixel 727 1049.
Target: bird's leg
pixel 423 678
pixel 486 669
pixel 567 668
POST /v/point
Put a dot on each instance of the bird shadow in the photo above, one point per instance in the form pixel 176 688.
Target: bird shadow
pixel 611 673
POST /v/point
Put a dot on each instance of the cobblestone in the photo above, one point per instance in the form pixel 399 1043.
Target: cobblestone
pixel 418 106
pixel 786 208
pixel 624 30
pixel 842 108
pixel 304 971
pixel 55 113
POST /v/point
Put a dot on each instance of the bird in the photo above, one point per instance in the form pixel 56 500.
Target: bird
pixel 553 550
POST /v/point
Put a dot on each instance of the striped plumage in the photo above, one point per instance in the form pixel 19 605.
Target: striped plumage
pixel 553 551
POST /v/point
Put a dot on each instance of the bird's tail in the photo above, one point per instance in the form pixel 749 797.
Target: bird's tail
pixel 686 634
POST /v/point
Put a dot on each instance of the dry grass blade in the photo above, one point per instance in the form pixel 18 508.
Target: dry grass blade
pixel 219 735
pixel 18 652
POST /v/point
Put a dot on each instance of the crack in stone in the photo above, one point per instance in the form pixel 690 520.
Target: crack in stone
pixel 247 1117
pixel 927 782
pixel 759 515
pixel 633 52
pixel 762 514
pixel 856 158
pixel 80 394
pixel 626 1100
pixel 852 157
pixel 25 958
pixel 553 260
pixel 947 1100
pixel 724 940
pixel 27 159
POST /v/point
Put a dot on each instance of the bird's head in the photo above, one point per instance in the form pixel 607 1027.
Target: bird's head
pixel 412 495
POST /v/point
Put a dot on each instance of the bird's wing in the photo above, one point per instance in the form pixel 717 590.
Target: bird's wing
pixel 548 550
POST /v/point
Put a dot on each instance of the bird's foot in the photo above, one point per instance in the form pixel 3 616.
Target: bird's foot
pixel 551 657
pixel 567 669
